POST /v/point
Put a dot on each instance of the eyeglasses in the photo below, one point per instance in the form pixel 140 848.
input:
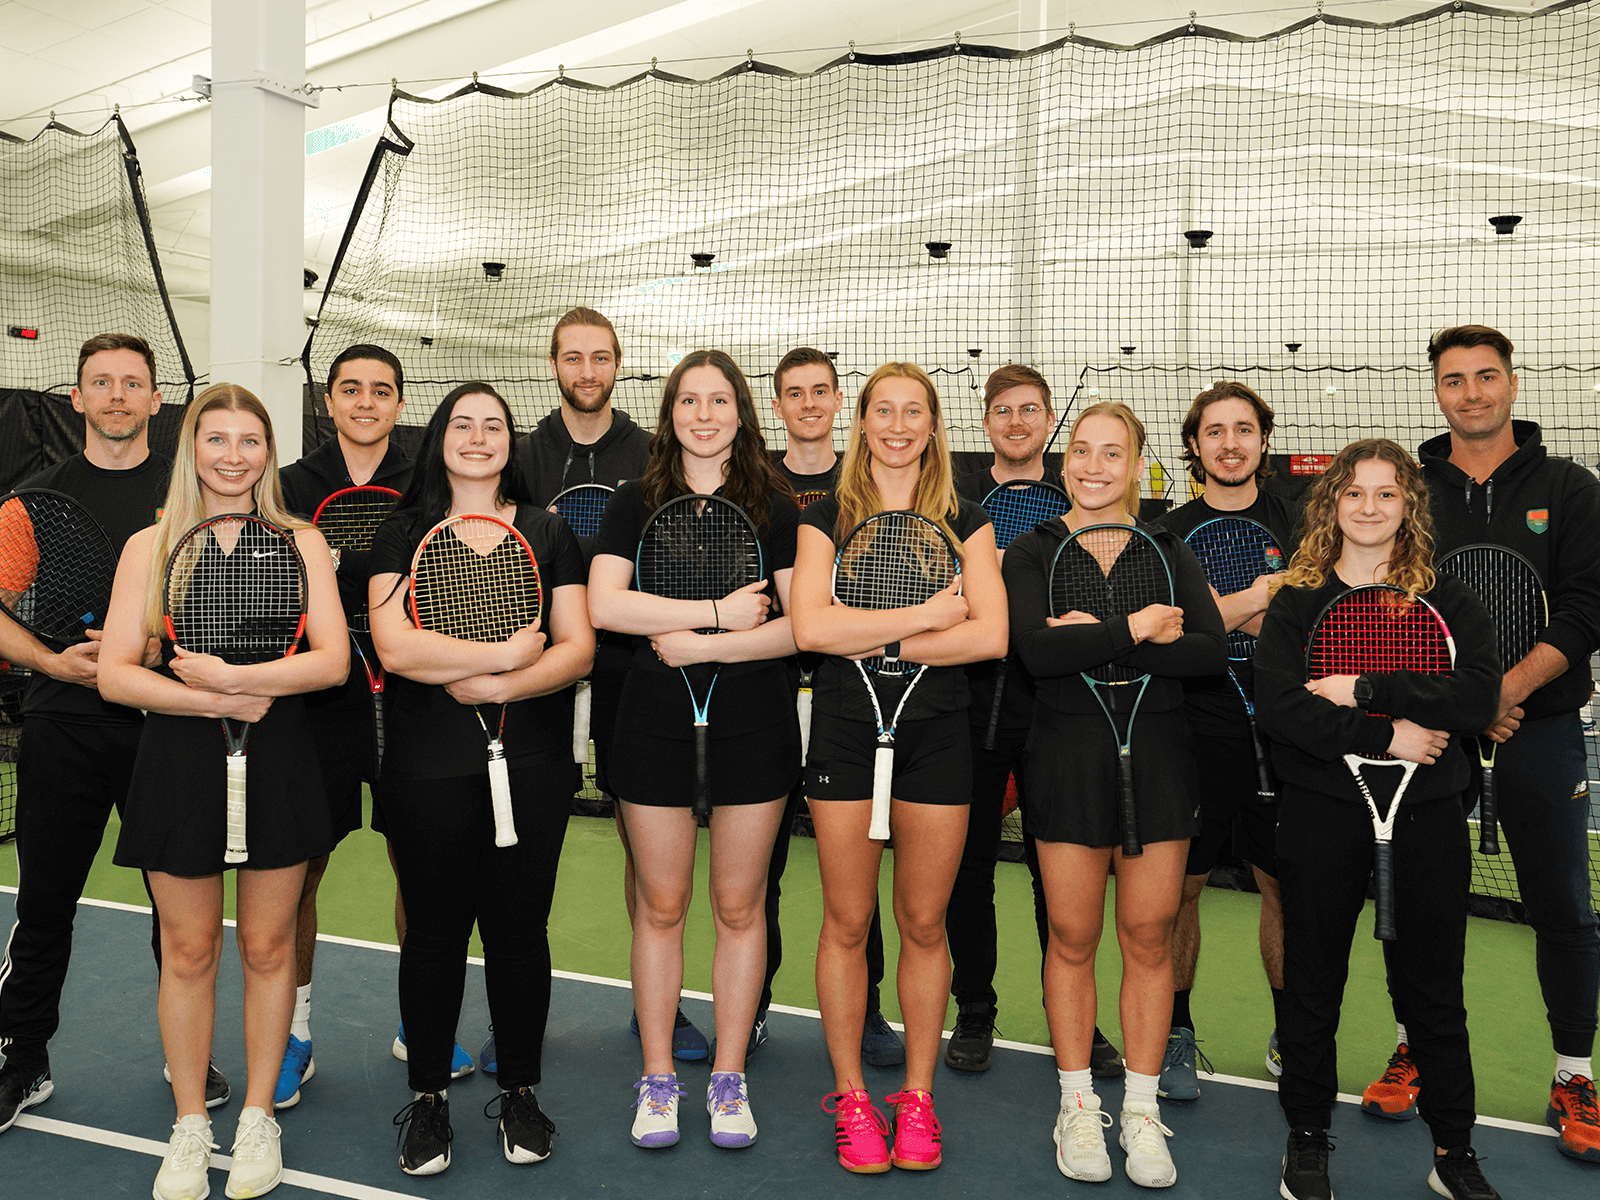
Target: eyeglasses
pixel 1028 412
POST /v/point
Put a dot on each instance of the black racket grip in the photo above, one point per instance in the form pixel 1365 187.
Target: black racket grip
pixel 1264 789
pixel 1383 883
pixel 702 785
pixel 994 706
pixel 1488 807
pixel 377 735
pixel 1128 810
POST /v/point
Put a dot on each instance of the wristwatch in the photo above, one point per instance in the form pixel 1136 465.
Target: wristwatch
pixel 1363 691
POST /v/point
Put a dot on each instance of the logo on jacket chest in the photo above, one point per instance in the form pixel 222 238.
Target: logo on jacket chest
pixel 1538 519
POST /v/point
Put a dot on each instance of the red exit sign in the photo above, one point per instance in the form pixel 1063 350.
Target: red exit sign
pixel 25 332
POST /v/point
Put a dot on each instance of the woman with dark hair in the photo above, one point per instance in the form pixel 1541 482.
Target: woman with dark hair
pixel 436 779
pixel 1367 521
pixel 707 442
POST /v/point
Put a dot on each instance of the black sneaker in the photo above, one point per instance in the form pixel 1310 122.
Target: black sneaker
pixel 1456 1174
pixel 217 1089
pixel 426 1135
pixel 24 1082
pixel 1305 1165
pixel 1104 1060
pixel 971 1045
pixel 525 1131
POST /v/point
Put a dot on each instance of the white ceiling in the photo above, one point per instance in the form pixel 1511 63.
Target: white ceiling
pixel 80 58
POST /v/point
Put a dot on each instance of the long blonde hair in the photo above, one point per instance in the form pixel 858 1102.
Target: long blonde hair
pixel 857 492
pixel 185 507
pixel 1135 427
pixel 1322 541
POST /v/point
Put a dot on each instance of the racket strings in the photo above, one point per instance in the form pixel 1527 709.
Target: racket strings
pixel 895 560
pixel 1017 510
pixel 1109 574
pixel 236 589
pixel 1510 590
pixel 698 550
pixel 349 522
pixel 582 507
pixel 475 582
pixel 56 562
pixel 1233 554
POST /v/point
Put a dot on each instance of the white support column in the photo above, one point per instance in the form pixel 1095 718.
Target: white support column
pixel 258 168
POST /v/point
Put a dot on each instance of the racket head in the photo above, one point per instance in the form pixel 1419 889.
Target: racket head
pixel 349 517
pixel 56 565
pixel 235 587
pixel 1015 508
pixel 697 547
pixel 811 496
pixel 1510 588
pixel 1109 572
pixel 474 578
pixel 1233 552
pixel 1373 630
pixel 892 560
pixel 581 507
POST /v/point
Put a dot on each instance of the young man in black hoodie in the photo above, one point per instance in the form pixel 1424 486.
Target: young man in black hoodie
pixel 1491 480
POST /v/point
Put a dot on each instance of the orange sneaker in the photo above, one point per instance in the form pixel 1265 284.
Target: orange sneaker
pixel 1394 1096
pixel 916 1131
pixel 1574 1114
pixel 859 1130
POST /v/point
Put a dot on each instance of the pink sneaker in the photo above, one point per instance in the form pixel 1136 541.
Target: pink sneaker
pixel 916 1131
pixel 860 1131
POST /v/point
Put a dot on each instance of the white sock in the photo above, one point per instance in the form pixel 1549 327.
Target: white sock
pixel 1139 1089
pixel 1400 1035
pixel 1578 1066
pixel 1075 1082
pixel 301 1025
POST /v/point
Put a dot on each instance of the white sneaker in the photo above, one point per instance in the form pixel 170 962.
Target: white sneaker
pixel 1144 1137
pixel 655 1124
pixel 728 1101
pixel 183 1171
pixel 257 1160
pixel 1081 1141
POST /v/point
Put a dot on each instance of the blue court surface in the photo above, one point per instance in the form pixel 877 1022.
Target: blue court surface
pixel 103 1131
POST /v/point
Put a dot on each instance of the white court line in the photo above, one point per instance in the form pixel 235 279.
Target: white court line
pixel 605 981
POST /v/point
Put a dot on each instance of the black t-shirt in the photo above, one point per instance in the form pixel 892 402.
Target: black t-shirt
pixel 623 525
pixel 837 686
pixel 430 735
pixel 124 502
pixel 1211 702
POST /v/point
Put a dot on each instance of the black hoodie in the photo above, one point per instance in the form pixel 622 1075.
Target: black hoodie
pixel 1548 510
pixel 551 461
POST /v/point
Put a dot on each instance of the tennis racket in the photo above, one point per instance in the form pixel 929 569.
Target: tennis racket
pixel 891 560
pixel 1234 552
pixel 348 518
pixel 474 578
pixel 1372 630
pixel 236 588
pixel 1510 588
pixel 1112 572
pixel 581 507
pixel 698 548
pixel 56 566
pixel 1015 508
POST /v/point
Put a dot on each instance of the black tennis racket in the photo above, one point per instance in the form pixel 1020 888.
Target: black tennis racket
pixel 581 507
pixel 1234 552
pixel 1014 509
pixel 56 566
pixel 1510 588
pixel 891 560
pixel 348 518
pixel 474 578
pixel 1372 630
pixel 698 548
pixel 236 588
pixel 1112 572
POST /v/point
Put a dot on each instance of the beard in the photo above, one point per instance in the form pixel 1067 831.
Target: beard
pixel 569 397
pixel 113 435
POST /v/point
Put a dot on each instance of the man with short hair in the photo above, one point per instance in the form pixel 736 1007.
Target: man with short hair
pixel 364 399
pixel 77 750
pixel 1225 437
pixel 1491 480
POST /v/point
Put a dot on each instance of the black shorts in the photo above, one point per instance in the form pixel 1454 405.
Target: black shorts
pixel 345 751
pixel 932 760
pixel 1231 813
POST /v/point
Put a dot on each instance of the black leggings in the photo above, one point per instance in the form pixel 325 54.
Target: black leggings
pixel 452 874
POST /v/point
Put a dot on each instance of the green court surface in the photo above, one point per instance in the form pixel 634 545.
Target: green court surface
pixel 1231 1002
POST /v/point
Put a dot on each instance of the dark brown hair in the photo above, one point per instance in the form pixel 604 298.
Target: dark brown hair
pixel 584 316
pixel 102 342
pixel 1460 337
pixel 1012 375
pixel 803 356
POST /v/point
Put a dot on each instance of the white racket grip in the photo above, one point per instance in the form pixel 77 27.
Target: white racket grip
pixel 802 705
pixel 236 850
pixel 505 826
pixel 580 722
pixel 882 782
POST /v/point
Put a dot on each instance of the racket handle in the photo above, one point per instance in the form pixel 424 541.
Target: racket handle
pixel 994 705
pixel 1129 811
pixel 1488 806
pixel 236 851
pixel 581 704
pixel 1383 885
pixel 505 825
pixel 377 735
pixel 702 783
pixel 802 706
pixel 882 784
pixel 1265 792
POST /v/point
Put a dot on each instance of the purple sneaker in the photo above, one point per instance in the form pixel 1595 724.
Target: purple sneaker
pixel 728 1101
pixel 655 1123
